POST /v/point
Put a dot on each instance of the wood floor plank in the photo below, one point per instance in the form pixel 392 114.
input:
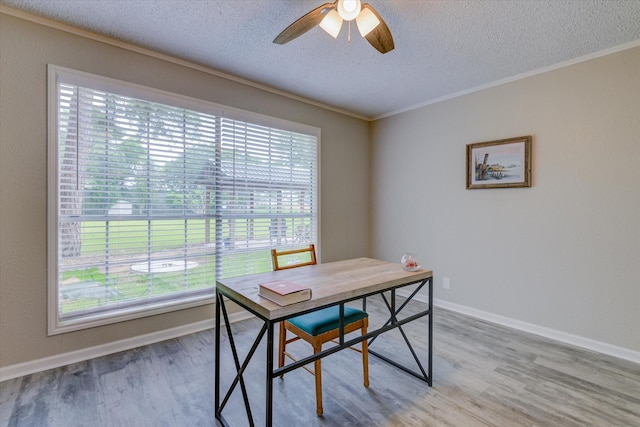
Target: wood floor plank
pixel 484 375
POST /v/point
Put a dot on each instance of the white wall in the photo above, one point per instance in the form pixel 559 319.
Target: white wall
pixel 26 48
pixel 562 255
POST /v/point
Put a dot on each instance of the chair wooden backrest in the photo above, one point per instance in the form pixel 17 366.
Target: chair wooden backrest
pixel 275 256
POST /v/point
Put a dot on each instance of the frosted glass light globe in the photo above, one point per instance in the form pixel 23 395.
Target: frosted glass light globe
pixel 349 9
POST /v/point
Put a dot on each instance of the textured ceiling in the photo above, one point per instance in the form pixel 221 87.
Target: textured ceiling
pixel 442 47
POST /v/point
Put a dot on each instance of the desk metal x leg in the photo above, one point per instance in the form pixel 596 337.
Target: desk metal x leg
pixel 424 376
pixel 239 368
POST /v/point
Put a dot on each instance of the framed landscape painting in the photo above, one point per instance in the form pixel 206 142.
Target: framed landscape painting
pixel 499 164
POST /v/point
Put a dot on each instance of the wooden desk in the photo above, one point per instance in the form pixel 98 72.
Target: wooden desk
pixel 333 283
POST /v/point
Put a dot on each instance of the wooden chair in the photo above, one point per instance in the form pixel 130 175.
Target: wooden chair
pixel 320 326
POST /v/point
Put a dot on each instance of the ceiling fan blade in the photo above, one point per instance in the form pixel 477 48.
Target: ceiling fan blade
pixel 304 24
pixel 380 37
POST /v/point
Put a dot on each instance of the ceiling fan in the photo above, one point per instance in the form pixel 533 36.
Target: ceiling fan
pixel 330 16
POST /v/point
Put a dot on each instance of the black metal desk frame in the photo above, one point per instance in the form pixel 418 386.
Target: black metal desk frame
pixel 268 328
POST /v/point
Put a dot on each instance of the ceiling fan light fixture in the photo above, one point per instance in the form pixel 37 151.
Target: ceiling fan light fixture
pixel 366 21
pixel 349 9
pixel 332 23
pixel 330 16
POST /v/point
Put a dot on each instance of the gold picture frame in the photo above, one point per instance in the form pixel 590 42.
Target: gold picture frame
pixel 504 163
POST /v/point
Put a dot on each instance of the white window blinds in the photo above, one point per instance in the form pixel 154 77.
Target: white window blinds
pixel 267 191
pixel 155 200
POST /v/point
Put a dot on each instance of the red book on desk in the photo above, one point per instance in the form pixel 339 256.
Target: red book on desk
pixel 283 292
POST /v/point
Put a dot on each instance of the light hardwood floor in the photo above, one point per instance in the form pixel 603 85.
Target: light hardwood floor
pixel 484 375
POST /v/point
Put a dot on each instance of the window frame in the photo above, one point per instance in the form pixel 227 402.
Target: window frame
pixel 56 325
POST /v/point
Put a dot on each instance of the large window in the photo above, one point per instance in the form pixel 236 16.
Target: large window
pixel 153 196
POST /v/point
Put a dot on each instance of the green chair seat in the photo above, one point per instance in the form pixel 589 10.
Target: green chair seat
pixel 327 319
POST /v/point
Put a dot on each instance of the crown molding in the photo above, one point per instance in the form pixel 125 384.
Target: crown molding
pixel 168 58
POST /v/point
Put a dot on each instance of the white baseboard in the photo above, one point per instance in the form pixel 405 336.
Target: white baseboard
pixel 39 365
pixel 26 368
pixel 587 343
